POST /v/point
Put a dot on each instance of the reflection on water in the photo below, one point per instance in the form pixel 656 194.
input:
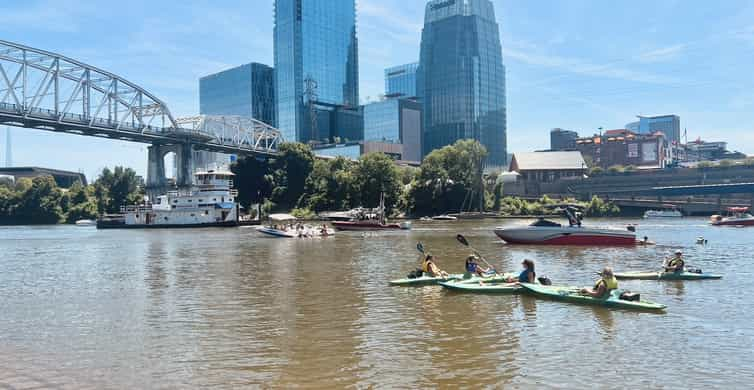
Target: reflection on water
pixel 227 308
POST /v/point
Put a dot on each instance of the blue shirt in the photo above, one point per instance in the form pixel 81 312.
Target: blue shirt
pixel 471 267
pixel 523 277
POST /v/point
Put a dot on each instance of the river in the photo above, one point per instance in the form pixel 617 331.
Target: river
pixel 227 308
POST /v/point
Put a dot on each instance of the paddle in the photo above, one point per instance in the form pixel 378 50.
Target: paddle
pixel 465 242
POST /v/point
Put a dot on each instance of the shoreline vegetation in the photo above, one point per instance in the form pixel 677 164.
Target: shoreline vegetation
pixel 449 180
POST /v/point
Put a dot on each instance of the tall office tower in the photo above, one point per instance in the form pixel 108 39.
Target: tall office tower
pixel 670 125
pixel 316 64
pixel 401 80
pixel 561 139
pixel 247 90
pixel 461 77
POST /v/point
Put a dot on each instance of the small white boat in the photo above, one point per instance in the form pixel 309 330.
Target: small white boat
pixel 670 211
pixel 444 217
pixel 86 222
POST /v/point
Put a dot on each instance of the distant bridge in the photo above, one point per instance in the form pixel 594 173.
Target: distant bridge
pixel 47 91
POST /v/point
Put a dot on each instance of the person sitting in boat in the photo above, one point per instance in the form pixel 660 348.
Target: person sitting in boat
pixel 527 275
pixel 676 263
pixel 602 288
pixel 323 231
pixel 472 267
pixel 430 268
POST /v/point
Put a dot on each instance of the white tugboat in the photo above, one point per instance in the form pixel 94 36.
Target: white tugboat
pixel 211 202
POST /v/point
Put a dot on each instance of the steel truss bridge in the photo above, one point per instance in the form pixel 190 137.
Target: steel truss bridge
pixel 47 91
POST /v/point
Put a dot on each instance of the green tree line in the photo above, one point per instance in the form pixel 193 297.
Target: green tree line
pixel 448 180
pixel 40 200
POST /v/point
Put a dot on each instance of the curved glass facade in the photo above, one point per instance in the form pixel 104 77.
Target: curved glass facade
pixel 461 77
pixel 316 59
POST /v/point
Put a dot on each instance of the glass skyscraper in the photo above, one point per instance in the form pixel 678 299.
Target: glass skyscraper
pixel 247 90
pixel 670 125
pixel 461 77
pixel 401 80
pixel 316 62
pixel 396 121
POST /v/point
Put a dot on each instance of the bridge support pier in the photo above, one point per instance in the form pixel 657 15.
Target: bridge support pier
pixel 157 182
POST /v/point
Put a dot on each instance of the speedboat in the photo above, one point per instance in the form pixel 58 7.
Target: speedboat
pixel 444 217
pixel 86 222
pixel 737 216
pixel 287 226
pixel 544 232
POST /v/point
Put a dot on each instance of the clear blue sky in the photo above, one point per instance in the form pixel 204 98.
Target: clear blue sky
pixel 577 64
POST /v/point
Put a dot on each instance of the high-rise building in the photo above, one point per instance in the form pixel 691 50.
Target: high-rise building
pixel 461 77
pixel 561 139
pixel 670 125
pixel 316 63
pixel 395 121
pixel 247 90
pixel 401 80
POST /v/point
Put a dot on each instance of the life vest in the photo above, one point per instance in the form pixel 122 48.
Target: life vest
pixel 675 262
pixel 610 283
pixel 425 266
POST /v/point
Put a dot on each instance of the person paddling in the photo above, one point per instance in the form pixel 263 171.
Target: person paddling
pixel 472 267
pixel 527 275
pixel 676 263
pixel 429 267
pixel 602 288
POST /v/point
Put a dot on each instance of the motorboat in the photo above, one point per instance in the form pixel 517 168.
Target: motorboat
pixel 86 222
pixel 444 217
pixel 288 226
pixel 737 216
pixel 545 232
pixel 670 211
pixel 365 221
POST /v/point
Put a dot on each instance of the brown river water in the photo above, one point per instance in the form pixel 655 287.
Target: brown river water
pixel 227 308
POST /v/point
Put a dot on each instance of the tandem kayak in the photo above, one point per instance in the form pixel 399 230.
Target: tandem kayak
pixel 482 286
pixel 659 275
pixel 572 295
pixel 424 280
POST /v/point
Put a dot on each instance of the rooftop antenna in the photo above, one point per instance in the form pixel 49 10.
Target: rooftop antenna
pixel 8 149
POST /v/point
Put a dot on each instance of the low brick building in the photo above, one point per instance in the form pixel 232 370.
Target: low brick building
pixel 624 147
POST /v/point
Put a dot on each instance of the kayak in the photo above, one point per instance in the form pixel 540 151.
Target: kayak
pixel 659 275
pixel 424 280
pixel 571 294
pixel 482 286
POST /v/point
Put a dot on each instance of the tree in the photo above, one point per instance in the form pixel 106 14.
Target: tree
pixel 376 174
pixel 291 169
pixel 253 180
pixel 448 179
pixel 40 203
pixel 117 188
pixel 331 186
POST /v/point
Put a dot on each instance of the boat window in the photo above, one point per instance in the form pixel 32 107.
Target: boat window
pixel 206 212
pixel 193 215
pixel 172 207
pixel 201 200
pixel 175 201
pixel 214 200
pixel 189 200
pixel 166 218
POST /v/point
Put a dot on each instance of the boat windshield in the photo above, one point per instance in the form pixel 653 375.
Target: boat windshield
pixel 545 223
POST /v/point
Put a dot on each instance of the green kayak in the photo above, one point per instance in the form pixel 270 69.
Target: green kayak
pixel 659 275
pixel 571 294
pixel 496 286
pixel 424 280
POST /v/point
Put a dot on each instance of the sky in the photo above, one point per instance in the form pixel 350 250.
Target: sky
pixel 574 64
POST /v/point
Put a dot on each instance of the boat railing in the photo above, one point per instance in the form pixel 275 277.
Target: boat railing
pixel 136 209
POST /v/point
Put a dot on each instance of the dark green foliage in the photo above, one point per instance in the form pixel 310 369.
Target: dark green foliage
pixel 253 179
pixel 291 169
pixel 117 188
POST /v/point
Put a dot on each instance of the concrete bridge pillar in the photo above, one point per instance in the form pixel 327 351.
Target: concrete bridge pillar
pixel 157 182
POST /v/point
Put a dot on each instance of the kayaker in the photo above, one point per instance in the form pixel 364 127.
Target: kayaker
pixel 602 288
pixel 429 267
pixel 527 275
pixel 676 263
pixel 473 267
